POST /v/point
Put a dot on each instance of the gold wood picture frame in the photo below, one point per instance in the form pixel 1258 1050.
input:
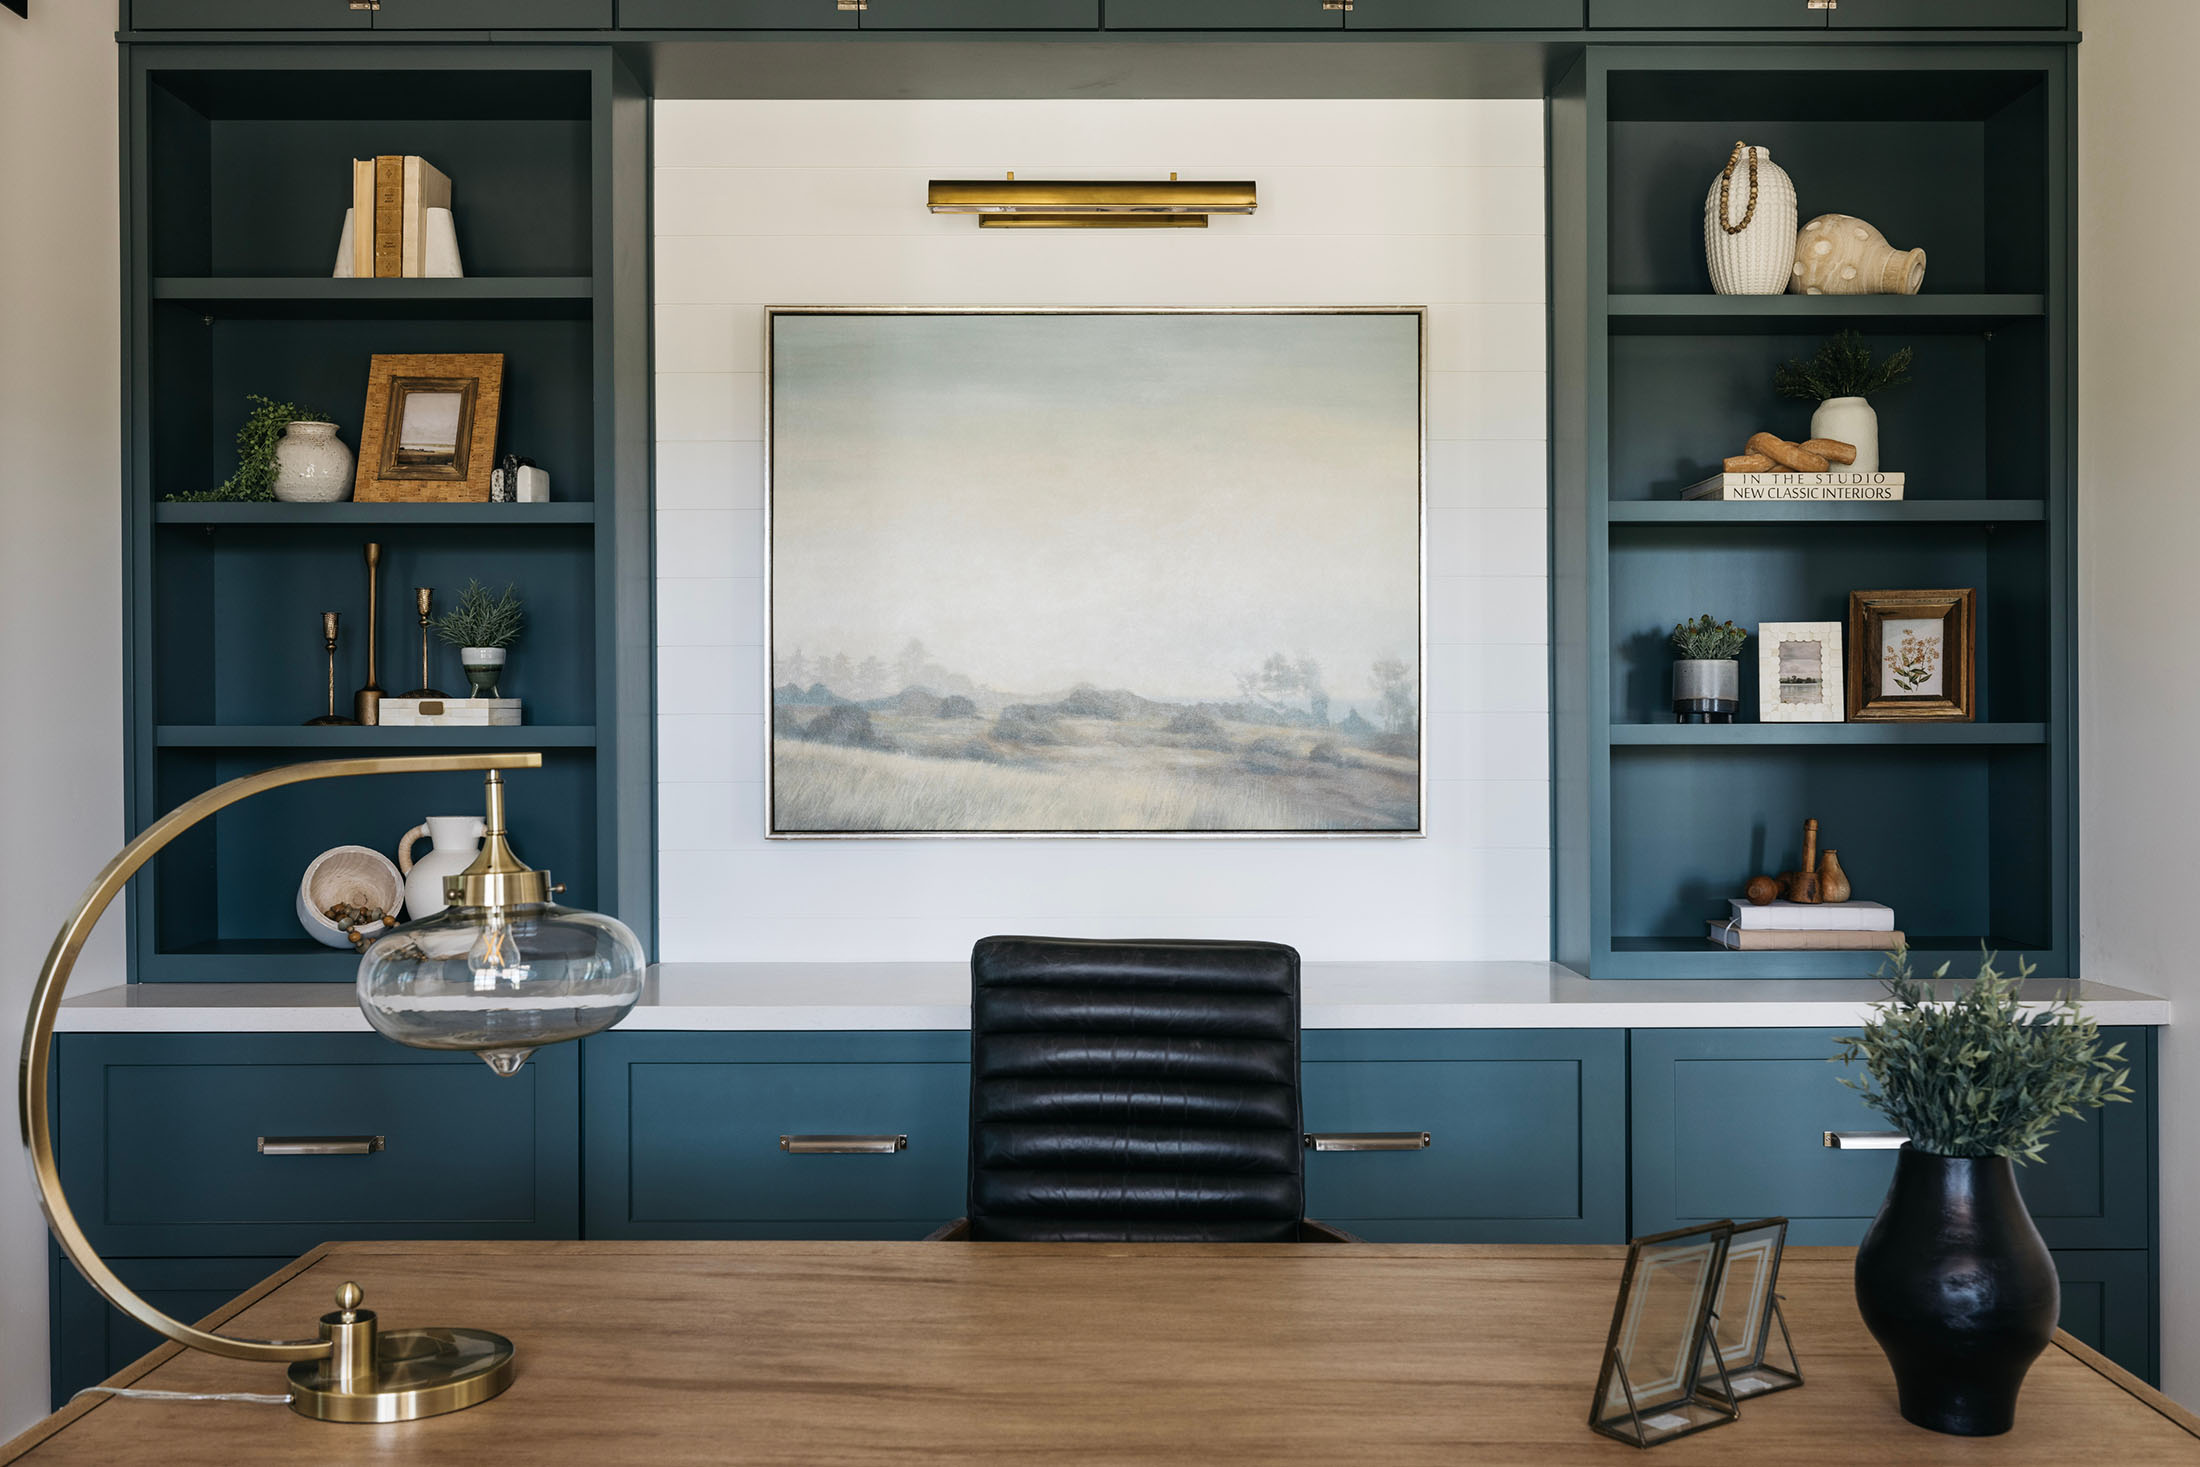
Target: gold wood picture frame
pixel 430 432
pixel 1913 656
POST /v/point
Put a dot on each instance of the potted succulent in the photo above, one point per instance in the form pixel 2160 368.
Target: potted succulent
pixel 1707 681
pixel 284 452
pixel 482 628
pixel 1842 377
pixel 1953 1279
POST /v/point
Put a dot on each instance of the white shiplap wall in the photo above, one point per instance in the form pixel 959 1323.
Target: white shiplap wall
pixel 1431 203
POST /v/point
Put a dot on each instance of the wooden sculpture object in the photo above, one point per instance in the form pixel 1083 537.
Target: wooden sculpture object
pixel 1819 879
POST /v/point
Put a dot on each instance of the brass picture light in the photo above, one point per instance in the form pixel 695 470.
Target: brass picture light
pixel 1012 203
pixel 499 972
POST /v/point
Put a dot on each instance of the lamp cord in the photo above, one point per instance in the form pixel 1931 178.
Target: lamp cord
pixel 137 1395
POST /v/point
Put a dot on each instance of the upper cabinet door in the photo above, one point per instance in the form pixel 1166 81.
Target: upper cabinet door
pixel 736 15
pixel 1738 15
pixel 980 15
pixel 248 15
pixel 461 15
pixel 1226 15
pixel 2011 15
pixel 1464 15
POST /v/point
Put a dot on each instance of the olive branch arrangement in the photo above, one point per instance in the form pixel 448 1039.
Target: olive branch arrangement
pixel 1705 640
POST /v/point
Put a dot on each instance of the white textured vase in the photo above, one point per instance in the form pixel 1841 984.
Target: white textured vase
pixel 312 466
pixel 1758 260
pixel 1851 420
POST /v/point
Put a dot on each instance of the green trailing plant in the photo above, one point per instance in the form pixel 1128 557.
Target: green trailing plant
pixel 480 620
pixel 1705 640
pixel 263 427
pixel 1842 367
pixel 1975 1075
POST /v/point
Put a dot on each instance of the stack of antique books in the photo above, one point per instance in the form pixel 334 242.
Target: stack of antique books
pixel 1807 926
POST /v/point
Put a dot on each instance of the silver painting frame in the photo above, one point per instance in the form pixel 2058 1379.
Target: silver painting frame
pixel 770 713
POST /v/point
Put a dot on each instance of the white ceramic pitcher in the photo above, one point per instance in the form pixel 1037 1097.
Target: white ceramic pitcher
pixel 455 841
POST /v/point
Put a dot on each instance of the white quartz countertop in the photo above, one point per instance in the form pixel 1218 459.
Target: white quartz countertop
pixel 903 996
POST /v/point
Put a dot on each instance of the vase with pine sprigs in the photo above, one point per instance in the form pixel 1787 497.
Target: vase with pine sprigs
pixel 1953 1279
pixel 483 628
pixel 1842 377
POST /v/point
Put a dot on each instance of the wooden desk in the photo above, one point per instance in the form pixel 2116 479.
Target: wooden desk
pixel 1004 1353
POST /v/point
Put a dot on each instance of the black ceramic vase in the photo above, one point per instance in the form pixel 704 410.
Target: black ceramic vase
pixel 1955 1284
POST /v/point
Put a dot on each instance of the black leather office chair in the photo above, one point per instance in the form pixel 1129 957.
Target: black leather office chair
pixel 1135 1092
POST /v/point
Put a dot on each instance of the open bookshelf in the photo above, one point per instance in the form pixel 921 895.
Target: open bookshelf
pixel 1963 828
pixel 238 178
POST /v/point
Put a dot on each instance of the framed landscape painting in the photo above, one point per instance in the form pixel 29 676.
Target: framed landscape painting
pixel 1113 572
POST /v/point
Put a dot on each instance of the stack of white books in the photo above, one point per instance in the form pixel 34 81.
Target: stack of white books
pixel 1808 926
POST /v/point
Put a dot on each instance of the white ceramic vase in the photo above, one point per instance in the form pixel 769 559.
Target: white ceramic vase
pixel 312 466
pixel 457 840
pixel 1840 254
pixel 1851 420
pixel 1759 259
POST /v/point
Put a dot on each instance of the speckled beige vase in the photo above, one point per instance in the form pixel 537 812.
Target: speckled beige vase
pixel 1839 254
pixel 1754 261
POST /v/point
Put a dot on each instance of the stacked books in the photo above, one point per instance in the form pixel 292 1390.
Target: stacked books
pixel 388 228
pixel 1841 485
pixel 1808 927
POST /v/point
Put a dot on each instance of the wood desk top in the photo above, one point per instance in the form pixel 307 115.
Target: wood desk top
pixel 1007 1353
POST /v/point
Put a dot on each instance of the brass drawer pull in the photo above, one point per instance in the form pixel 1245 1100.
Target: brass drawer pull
pixel 1367 1141
pixel 320 1145
pixel 843 1145
pixel 1865 1140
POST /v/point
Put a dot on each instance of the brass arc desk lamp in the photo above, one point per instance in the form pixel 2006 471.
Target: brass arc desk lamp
pixel 499 972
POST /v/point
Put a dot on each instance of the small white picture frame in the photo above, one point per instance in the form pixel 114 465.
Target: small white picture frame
pixel 1799 673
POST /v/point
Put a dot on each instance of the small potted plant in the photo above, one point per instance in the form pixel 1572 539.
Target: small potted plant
pixel 305 466
pixel 1707 681
pixel 1841 378
pixel 482 628
pixel 1953 1279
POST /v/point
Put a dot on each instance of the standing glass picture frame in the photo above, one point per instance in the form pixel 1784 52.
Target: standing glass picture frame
pixel 1662 1376
pixel 1749 1329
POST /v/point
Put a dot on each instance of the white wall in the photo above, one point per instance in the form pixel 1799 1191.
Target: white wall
pixel 60 566
pixel 2138 533
pixel 1415 203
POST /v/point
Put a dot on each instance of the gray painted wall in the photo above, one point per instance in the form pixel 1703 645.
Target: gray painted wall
pixel 60 565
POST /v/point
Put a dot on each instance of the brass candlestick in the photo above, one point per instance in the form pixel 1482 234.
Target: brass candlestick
pixel 366 704
pixel 424 601
pixel 330 719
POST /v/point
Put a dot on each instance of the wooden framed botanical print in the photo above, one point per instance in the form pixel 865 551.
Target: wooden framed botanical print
pixel 1912 656
pixel 431 428
pixel 1799 672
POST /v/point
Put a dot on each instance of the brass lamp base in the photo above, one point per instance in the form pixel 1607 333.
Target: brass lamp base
pixel 403 1375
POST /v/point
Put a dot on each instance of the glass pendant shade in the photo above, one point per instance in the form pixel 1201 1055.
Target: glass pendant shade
pixel 500 981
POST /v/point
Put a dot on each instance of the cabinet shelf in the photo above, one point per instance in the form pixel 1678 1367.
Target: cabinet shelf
pixel 322 297
pixel 1726 314
pixel 285 736
pixel 350 513
pixel 1834 735
pixel 1699 957
pixel 1906 511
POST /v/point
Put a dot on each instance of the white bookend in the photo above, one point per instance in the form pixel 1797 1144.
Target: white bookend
pixel 450 713
pixel 1842 486
pixel 1796 916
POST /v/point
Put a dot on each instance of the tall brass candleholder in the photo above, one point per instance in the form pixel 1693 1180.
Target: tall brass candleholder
pixel 424 602
pixel 366 704
pixel 328 638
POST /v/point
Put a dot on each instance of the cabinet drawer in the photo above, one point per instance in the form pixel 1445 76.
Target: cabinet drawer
pixel 1464 15
pixel 159 1141
pixel 1705 15
pixel 1857 15
pixel 980 15
pixel 459 15
pixel 1222 15
pixel 1730 1123
pixel 247 15
pixel 1527 1134
pixel 735 15
pixel 92 1339
pixel 684 1135
pixel 2108 1302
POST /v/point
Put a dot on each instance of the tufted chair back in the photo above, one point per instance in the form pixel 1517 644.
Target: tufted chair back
pixel 1134 1092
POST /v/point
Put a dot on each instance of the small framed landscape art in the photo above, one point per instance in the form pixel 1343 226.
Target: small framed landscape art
pixel 431 428
pixel 1799 672
pixel 1912 656
pixel 1086 572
